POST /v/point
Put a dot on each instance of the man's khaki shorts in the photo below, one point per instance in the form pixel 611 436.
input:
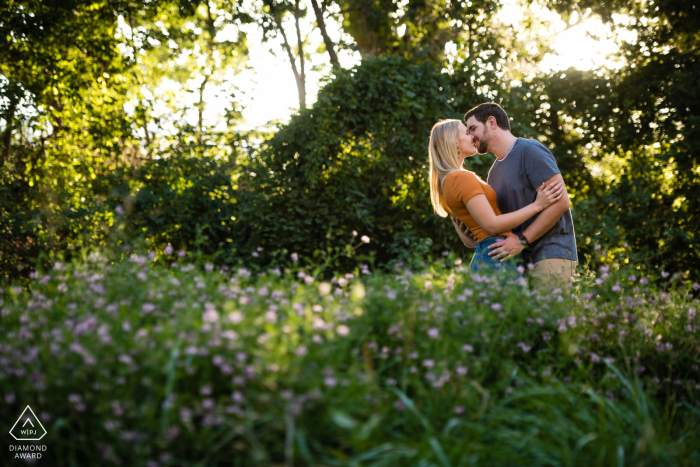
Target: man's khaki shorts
pixel 554 272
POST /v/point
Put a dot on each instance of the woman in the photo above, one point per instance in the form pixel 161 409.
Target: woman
pixel 464 195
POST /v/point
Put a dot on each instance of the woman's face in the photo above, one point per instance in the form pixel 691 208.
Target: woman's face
pixel 465 142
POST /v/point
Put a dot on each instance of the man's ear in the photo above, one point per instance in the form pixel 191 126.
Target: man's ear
pixel 492 121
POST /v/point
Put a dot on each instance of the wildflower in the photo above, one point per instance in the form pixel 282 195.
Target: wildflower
pixel 459 410
pixel 244 300
pixel 599 281
pixel 399 405
pixel 644 281
pixel 496 307
pixel 365 239
pixel 210 315
pixel 354 233
pixel 148 307
pixel 342 330
pixel 205 390
pixel 632 278
pixel 428 285
pixel 521 269
pixel 595 358
pixel 119 210
pixel 696 287
pixel 235 317
pixel 317 308
pixel 271 317
pixel 10 398
pixel 433 333
pixel 458 262
pixel 468 348
pixel 308 279
pixel 324 288
pixel 616 288
pixel 185 415
pixel 126 359
pixel 461 371
pixel 330 381
pixel 428 363
pixel 295 257
pixel 168 250
pixel 665 274
pixel 525 348
pixel 209 267
pixel 596 248
pixel 243 273
pixel 318 340
pixel 58 266
pixel 237 397
pixel 301 351
pixel 208 404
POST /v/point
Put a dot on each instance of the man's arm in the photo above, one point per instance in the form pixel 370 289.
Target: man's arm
pixel 511 246
pixel 547 218
pixel 464 233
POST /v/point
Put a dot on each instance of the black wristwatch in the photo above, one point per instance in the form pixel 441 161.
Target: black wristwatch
pixel 523 240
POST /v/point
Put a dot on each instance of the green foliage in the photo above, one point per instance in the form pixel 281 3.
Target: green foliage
pixel 132 361
pixel 355 161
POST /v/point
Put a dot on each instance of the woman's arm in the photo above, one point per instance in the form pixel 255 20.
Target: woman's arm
pixel 483 213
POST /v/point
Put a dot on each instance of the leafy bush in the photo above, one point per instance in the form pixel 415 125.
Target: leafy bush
pixel 139 363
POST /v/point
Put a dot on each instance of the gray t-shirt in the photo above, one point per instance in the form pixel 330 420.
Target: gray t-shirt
pixel 515 180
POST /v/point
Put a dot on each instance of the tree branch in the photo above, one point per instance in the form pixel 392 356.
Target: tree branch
pixel 322 27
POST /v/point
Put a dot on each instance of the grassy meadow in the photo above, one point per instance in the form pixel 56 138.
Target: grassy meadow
pixel 154 360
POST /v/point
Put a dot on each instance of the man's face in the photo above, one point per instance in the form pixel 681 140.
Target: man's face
pixel 480 134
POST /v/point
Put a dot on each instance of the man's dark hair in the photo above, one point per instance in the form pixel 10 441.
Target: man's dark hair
pixel 482 112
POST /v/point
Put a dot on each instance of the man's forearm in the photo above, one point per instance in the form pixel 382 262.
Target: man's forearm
pixel 545 220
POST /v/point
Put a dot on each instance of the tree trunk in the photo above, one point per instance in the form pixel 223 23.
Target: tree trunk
pixel 200 108
pixel 7 137
pixel 300 47
pixel 297 77
pixel 322 27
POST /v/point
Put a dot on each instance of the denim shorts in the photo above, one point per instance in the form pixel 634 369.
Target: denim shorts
pixel 483 263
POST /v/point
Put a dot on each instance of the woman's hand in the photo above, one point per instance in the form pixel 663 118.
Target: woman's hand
pixel 546 196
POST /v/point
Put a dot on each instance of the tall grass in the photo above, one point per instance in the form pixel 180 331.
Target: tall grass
pixel 139 362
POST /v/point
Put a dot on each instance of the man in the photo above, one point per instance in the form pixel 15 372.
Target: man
pixel 546 240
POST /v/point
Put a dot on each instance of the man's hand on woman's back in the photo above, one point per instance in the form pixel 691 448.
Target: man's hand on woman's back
pixel 464 233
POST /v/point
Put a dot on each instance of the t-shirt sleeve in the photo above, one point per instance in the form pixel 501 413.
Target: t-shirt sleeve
pixel 466 186
pixel 539 165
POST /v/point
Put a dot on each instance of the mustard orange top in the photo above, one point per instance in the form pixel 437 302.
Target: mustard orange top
pixel 458 188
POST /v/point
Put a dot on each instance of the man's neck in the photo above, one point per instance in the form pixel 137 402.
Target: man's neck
pixel 503 145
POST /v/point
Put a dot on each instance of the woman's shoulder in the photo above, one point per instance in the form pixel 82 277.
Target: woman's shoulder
pixel 461 181
pixel 466 176
pixel 463 175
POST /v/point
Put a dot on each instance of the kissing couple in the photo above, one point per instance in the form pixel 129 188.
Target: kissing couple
pixel 521 215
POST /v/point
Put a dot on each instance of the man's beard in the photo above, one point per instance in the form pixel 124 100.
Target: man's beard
pixel 482 145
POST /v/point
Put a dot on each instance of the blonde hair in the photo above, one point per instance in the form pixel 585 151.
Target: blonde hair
pixel 444 158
